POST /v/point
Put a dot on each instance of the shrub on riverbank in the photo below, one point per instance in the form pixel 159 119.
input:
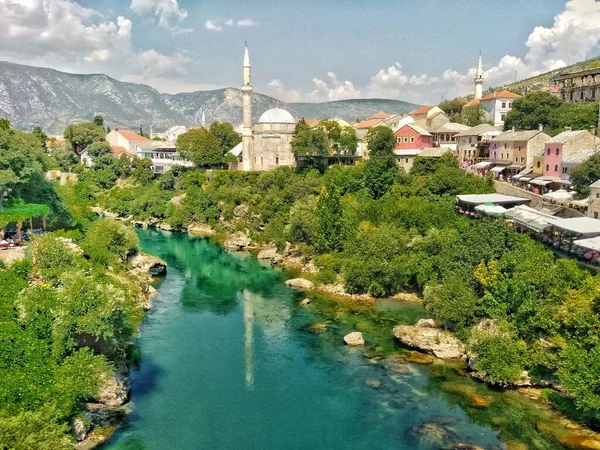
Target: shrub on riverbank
pixel 65 324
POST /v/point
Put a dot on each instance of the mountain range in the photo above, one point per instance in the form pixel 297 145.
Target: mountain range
pixel 31 96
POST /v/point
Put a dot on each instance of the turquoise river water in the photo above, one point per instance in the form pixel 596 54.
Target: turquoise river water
pixel 231 361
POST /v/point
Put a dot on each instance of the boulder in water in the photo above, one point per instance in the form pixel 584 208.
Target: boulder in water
pixel 238 241
pixel 354 339
pixel 430 435
pixel 439 343
pixel 271 254
pixel 146 264
pixel 300 283
pixel 305 302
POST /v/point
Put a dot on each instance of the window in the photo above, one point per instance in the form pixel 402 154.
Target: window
pixel 548 151
pixel 522 159
pixel 565 170
pixel 469 140
pixel 581 95
pixel 406 160
pixel 517 159
pixel 261 160
pixel 502 117
pixel 412 139
pixel 557 151
pixel 505 145
pixel 556 167
pixel 504 105
pixel 405 138
pixel 571 96
pixel 519 148
pixel 547 166
pixel 397 140
pixel 597 195
pixel 595 214
pixel 501 155
pixel 538 164
pixel 277 160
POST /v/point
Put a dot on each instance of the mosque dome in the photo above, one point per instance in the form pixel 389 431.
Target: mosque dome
pixel 276 115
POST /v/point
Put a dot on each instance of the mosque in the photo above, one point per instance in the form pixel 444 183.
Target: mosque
pixel 267 144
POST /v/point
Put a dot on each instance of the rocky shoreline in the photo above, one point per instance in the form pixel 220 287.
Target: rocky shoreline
pixel 102 416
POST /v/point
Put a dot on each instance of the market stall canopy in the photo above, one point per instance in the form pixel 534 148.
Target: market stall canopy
pixel 530 218
pixel 498 169
pixel 540 182
pixel 590 243
pixel 524 172
pixel 507 201
pixel 483 164
pixel 584 227
pixel 560 196
pixel 584 202
pixel 491 209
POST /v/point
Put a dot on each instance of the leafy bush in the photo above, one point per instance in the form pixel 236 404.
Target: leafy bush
pixel 109 242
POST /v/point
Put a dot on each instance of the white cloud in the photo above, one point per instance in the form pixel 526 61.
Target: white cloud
pixel 165 12
pixel 393 80
pixel 40 31
pixel 279 91
pixel 220 24
pixel 333 89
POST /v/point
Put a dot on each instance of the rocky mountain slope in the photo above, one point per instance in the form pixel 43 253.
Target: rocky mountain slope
pixel 32 96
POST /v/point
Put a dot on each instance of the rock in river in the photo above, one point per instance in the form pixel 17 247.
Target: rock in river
pixel 439 343
pixel 354 339
pixel 238 241
pixel 271 254
pixel 147 264
pixel 300 283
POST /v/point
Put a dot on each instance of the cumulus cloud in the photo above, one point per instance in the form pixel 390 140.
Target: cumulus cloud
pixel 574 35
pixel 166 13
pixel 41 31
pixel 221 24
pixel 279 91
pixel 393 80
pixel 332 89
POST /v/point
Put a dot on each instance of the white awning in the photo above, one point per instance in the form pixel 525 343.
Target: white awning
pixel 498 169
pixel 483 164
pixel 540 182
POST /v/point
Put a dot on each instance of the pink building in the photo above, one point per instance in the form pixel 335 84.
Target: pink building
pixel 562 145
pixel 412 137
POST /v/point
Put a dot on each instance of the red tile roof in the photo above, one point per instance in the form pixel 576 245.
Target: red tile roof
pixel 501 94
pixel 379 115
pixel 131 136
pixel 367 123
pixel 473 102
pixel 118 150
pixel 423 110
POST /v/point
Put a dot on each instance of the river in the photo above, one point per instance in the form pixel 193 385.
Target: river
pixel 231 361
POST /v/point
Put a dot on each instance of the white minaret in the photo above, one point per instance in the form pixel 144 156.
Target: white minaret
pixel 247 105
pixel 479 79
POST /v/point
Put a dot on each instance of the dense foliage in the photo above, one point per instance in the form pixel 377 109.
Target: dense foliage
pixel 65 322
pixel 543 108
pixel 585 174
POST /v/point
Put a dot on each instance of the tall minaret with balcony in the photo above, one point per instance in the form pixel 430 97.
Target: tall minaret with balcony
pixel 479 79
pixel 247 106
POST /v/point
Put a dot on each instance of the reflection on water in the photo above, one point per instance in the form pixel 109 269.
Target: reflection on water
pixel 231 361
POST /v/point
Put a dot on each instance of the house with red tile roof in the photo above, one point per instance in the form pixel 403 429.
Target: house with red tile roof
pixel 429 117
pixel 126 139
pixel 497 105
pixel 379 115
pixel 410 140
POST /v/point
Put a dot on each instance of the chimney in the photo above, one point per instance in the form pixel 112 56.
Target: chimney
pixel 541 127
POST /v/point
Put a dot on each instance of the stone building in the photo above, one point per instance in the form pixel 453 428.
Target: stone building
pixel 266 145
pixel 445 135
pixel 577 87
pixel 594 200
pixel 473 144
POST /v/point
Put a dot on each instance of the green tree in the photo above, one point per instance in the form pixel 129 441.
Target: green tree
pixel 226 135
pixel 307 141
pixel 98 120
pixel 380 141
pixel 532 110
pixel 348 141
pixel 98 148
pixel 585 174
pixel 108 242
pixel 329 233
pixel 39 133
pixel 5 125
pixel 453 108
pixel 142 170
pixel 7 180
pixel 473 115
pixel 80 136
pixel 578 116
pixel 201 147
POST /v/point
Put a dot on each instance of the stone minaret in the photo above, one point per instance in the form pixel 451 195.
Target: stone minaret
pixel 203 119
pixel 479 79
pixel 247 105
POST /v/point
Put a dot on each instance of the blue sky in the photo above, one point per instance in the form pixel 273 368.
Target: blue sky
pixel 418 50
